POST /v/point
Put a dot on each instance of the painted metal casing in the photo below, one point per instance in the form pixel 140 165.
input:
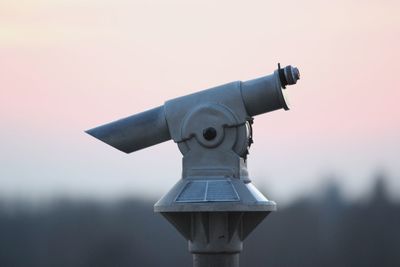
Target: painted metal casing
pixel 214 206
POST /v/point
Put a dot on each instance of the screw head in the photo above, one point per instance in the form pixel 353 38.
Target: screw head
pixel 209 133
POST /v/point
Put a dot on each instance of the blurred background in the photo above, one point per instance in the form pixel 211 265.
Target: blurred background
pixel 331 162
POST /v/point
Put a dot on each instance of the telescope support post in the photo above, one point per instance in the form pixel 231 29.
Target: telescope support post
pixel 216 239
pixel 216 260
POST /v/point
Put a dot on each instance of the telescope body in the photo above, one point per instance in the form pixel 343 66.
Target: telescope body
pixel 245 99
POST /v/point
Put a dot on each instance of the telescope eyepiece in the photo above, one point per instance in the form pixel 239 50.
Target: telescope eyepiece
pixel 288 75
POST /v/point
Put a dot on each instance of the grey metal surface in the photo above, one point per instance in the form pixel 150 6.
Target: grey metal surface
pixel 184 197
pixel 215 233
pixel 208 190
pixel 292 74
pixel 134 132
pixel 263 95
pixel 216 260
pixel 243 99
pixel 214 206
pixel 179 109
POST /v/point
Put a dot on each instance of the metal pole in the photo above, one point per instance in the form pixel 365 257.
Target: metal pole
pixel 216 260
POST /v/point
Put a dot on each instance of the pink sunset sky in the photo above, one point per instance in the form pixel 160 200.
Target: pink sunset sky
pixel 69 65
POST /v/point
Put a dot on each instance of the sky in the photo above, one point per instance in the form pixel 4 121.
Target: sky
pixel 70 65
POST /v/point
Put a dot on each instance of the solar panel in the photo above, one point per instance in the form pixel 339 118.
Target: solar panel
pixel 208 191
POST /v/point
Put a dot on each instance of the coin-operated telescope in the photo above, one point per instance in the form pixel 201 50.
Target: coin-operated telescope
pixel 214 206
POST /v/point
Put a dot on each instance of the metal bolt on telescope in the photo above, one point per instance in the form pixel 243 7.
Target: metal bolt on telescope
pixel 214 206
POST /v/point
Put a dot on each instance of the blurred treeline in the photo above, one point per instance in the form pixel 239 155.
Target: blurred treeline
pixel 325 231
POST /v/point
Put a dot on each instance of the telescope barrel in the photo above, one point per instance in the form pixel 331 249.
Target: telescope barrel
pixel 134 132
pixel 249 98
pixel 263 95
pixel 266 94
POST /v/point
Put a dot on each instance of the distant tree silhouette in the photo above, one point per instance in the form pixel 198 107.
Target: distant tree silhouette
pixel 325 231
